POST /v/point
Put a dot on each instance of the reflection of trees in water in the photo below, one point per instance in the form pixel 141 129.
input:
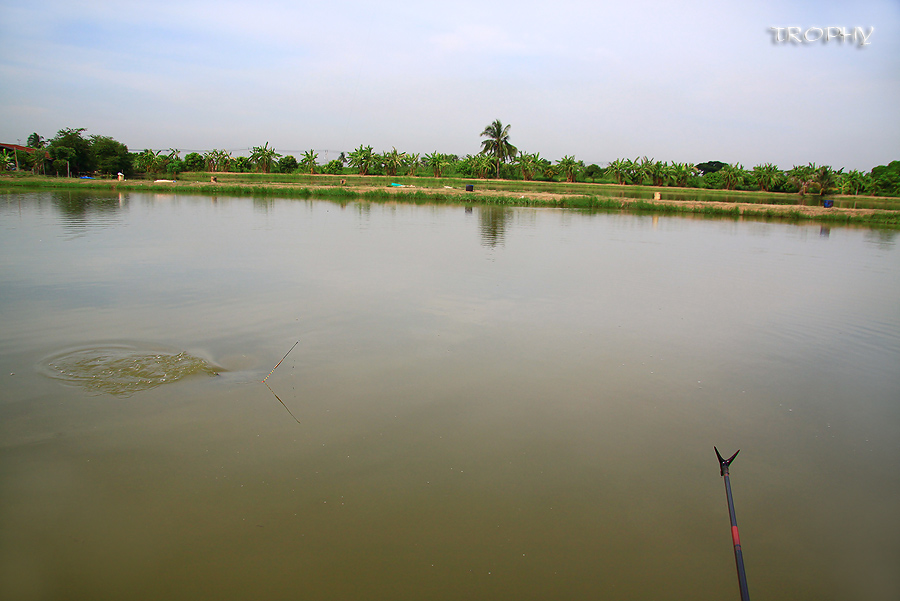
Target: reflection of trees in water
pixel 883 238
pixel 81 211
pixel 493 221
pixel 78 204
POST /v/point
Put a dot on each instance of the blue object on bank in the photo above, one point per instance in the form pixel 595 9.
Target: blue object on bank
pixel 828 203
pixel 86 177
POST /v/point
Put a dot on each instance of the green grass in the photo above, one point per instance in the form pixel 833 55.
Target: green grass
pixel 594 197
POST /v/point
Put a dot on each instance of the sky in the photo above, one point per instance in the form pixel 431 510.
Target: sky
pixel 688 82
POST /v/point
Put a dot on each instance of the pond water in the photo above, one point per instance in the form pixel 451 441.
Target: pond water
pixel 476 402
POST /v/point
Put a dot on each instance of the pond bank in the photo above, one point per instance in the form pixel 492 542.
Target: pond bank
pixel 331 188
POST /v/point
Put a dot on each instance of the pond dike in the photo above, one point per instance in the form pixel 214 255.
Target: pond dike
pixel 358 188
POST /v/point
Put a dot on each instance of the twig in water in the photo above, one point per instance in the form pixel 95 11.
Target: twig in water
pixel 279 398
pixel 279 363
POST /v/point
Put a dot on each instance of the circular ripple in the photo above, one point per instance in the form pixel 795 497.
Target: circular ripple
pixel 123 369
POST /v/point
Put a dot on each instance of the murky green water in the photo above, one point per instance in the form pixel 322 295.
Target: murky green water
pixel 484 403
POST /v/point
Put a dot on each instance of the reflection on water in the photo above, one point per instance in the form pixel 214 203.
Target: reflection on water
pixel 123 370
pixel 492 221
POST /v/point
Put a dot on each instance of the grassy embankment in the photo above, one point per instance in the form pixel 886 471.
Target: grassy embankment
pixel 867 211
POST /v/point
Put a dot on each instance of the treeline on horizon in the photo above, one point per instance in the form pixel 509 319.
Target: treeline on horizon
pixel 71 153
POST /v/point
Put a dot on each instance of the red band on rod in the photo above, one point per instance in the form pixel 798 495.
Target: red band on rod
pixel 735 536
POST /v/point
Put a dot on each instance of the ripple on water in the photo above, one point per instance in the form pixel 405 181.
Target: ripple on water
pixel 122 369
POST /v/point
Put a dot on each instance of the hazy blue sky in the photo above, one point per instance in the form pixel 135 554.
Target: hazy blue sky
pixel 692 81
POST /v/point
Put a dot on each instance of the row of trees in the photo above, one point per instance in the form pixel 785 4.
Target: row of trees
pixel 71 152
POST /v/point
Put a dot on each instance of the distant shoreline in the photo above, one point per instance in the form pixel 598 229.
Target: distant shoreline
pixel 490 192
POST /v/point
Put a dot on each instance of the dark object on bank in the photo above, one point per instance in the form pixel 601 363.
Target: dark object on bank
pixel 470 188
pixel 736 539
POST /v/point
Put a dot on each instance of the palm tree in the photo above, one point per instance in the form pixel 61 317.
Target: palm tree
pixel 38 158
pixel 637 170
pixel 217 160
pixel 659 172
pixel 392 161
pixel 5 160
pixel 412 163
pixel 681 172
pixel 497 143
pixel 826 178
pixel 854 181
pixel 528 163
pixel 437 162
pixel 362 158
pixel 802 177
pixel 569 166
pixel 35 141
pixel 309 161
pixel 766 176
pixel 733 175
pixel 263 157
pixel 617 169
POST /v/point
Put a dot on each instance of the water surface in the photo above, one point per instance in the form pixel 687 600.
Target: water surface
pixel 484 403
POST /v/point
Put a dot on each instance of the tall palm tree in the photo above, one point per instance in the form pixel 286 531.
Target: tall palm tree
pixel 497 143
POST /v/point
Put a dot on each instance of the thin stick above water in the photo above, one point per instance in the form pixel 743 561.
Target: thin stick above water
pixel 280 362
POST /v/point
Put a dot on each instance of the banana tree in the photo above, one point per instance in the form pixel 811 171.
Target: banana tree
pixel 681 172
pixel 802 177
pixel 263 157
pixel 362 159
pixel 309 161
pixel 637 170
pixel 412 164
pixel 766 176
pixel 733 175
pixel 659 172
pixel 217 160
pixel 618 169
pixel 853 182
pixel 6 159
pixel 826 178
pixel 393 161
pixel 437 162
pixel 528 163
pixel 568 166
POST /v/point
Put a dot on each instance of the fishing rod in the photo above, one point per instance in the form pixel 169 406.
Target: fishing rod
pixel 738 555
